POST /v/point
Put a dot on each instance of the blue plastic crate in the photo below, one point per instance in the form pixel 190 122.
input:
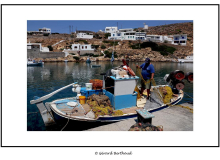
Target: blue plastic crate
pixel 88 93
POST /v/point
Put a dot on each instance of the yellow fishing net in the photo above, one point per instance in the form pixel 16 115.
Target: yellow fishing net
pixel 101 109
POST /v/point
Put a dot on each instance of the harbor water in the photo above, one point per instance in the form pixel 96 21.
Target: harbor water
pixel 42 80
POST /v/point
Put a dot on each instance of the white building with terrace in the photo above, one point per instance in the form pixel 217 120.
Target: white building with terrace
pixel 40 31
pixel 180 39
pixel 37 46
pixel 111 29
pixel 84 35
pixel 127 34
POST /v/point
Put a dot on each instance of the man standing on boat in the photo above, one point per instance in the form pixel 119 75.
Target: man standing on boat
pixel 147 76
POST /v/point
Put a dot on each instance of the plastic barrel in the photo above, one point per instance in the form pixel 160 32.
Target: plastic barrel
pixel 88 86
pixel 82 99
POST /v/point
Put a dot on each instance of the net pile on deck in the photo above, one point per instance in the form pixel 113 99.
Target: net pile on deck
pixel 145 127
pixel 101 106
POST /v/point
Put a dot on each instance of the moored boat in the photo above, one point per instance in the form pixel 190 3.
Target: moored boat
pixel 34 63
pixel 188 59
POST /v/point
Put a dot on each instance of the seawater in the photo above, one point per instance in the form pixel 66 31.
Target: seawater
pixel 51 76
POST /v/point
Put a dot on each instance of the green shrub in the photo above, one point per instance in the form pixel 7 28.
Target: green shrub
pixel 76 58
pixel 163 49
pixel 88 54
pixel 103 46
pixel 95 46
pixel 96 36
pixel 46 34
pixel 109 54
pixel 84 41
pixel 107 35
pixel 50 48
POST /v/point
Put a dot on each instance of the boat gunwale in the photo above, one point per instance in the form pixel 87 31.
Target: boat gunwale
pixel 102 118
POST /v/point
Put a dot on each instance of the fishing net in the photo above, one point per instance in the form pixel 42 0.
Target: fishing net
pixel 100 105
pixel 145 127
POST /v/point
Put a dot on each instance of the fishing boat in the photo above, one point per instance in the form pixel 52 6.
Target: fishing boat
pixel 34 63
pixel 118 91
pixel 188 59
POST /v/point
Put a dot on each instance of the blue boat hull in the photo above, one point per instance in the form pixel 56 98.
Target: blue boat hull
pixel 35 64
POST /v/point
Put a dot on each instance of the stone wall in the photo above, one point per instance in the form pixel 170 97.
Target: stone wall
pixel 37 54
pixel 82 52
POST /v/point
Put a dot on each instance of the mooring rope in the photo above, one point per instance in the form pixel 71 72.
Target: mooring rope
pixel 188 95
pixel 68 120
pixel 187 107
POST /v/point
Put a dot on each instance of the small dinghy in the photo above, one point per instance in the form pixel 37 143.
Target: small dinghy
pixel 34 63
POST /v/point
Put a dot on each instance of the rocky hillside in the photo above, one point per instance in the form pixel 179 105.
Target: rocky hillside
pixel 123 48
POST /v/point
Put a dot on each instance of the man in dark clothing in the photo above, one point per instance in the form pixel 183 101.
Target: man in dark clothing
pixel 147 74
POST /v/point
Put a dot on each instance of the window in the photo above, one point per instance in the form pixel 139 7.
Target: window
pixel 176 41
pixel 133 36
pixel 82 47
pixel 85 47
pixel 113 35
pixel 75 47
pixel 182 42
pixel 182 37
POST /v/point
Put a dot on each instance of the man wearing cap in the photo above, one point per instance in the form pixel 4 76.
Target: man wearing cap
pixel 147 74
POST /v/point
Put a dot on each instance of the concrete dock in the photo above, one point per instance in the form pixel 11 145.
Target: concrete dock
pixel 173 118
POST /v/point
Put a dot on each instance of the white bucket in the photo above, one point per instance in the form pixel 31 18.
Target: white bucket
pixel 88 86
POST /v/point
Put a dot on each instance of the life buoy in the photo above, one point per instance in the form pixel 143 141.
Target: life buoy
pixel 131 71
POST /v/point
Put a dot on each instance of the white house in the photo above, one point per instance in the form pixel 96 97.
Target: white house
pixel 82 47
pixel 40 31
pixel 37 46
pixel 84 35
pixel 180 39
pixel 45 30
pixel 111 29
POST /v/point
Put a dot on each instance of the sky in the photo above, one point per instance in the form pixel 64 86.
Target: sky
pixel 64 26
